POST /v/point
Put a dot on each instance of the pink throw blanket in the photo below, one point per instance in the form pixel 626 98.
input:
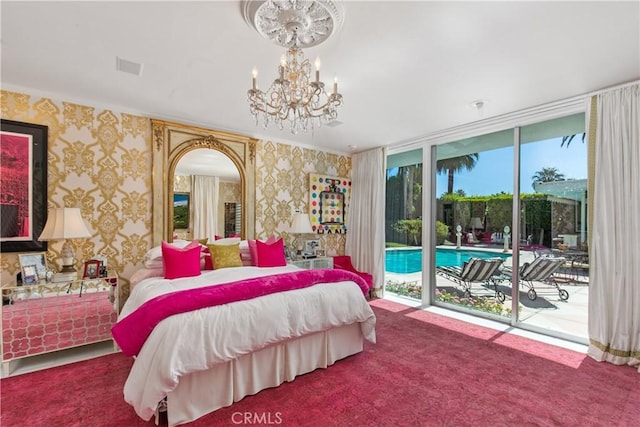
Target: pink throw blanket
pixel 131 332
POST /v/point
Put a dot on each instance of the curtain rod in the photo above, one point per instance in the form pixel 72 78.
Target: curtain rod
pixel 619 86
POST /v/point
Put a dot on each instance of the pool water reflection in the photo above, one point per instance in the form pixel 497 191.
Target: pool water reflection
pixel 405 261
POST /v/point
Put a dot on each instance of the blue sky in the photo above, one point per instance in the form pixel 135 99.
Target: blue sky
pixel 180 199
pixel 494 171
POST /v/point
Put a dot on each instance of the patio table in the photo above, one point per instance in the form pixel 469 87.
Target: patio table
pixel 577 269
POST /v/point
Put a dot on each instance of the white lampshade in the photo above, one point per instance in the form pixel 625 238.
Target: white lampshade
pixel 301 224
pixel 64 223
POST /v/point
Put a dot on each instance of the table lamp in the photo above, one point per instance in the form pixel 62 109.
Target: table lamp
pixel 301 225
pixel 65 224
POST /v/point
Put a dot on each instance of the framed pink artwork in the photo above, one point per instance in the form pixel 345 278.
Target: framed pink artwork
pixel 23 186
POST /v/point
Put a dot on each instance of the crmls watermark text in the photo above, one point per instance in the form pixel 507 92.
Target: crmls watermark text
pixel 256 418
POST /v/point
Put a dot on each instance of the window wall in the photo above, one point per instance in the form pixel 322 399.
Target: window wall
pixel 474 195
pixel 403 224
pixel 538 172
pixel 516 194
pixel 553 251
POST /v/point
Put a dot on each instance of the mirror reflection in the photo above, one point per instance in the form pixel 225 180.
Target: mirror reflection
pixel 213 189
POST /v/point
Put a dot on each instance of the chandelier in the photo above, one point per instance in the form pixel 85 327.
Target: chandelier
pixel 296 96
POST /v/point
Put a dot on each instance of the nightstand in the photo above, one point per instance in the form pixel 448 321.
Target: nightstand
pixel 47 317
pixel 313 263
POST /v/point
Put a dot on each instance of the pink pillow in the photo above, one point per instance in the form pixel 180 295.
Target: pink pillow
pixel 253 250
pixel 181 262
pixel 271 255
pixel 208 263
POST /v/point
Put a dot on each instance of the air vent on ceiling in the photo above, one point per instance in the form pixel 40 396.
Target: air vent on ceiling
pixel 128 66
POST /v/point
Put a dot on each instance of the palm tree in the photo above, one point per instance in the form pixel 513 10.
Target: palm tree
pixel 567 139
pixel 454 165
pixel 547 175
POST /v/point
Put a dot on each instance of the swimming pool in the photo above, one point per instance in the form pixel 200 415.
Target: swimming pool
pixel 406 261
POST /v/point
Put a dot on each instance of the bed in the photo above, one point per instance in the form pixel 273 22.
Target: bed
pixel 196 362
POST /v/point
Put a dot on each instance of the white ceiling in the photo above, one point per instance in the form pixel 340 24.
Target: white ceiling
pixel 406 69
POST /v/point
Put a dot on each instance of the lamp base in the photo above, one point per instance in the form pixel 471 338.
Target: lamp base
pixel 68 269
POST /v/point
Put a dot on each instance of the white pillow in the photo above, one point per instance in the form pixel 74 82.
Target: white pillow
pixel 156 252
pixel 153 257
pixel 144 273
pixel 245 253
pixel 154 263
pixel 226 241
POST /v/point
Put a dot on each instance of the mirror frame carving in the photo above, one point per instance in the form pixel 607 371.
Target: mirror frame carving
pixel 170 141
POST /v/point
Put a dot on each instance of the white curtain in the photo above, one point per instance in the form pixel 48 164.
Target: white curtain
pixel 365 221
pixel 614 281
pixel 204 196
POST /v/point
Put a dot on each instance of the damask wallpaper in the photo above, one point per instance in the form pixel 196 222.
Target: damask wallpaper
pixel 282 188
pixel 100 161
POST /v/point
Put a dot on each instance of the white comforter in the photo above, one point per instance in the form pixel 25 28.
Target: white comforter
pixel 197 340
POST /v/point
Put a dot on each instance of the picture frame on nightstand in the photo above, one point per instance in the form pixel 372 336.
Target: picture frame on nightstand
pixel 33 267
pixel 311 246
pixel 29 275
pixel 92 269
pixel 291 253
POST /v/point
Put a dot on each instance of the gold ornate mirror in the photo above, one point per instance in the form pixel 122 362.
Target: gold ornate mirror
pixel 171 143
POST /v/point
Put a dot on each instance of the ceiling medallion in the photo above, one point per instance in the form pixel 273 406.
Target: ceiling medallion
pixel 295 95
pixel 313 21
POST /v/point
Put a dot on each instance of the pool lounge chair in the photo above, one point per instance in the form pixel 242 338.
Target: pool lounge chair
pixel 476 270
pixel 542 269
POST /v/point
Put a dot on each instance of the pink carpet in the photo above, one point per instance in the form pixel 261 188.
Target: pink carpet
pixel 425 369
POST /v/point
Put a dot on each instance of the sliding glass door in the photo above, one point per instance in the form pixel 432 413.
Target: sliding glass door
pixel 403 225
pixel 553 232
pixel 474 188
pixel 517 201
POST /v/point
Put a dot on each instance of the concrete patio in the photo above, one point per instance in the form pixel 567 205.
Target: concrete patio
pixel 547 311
